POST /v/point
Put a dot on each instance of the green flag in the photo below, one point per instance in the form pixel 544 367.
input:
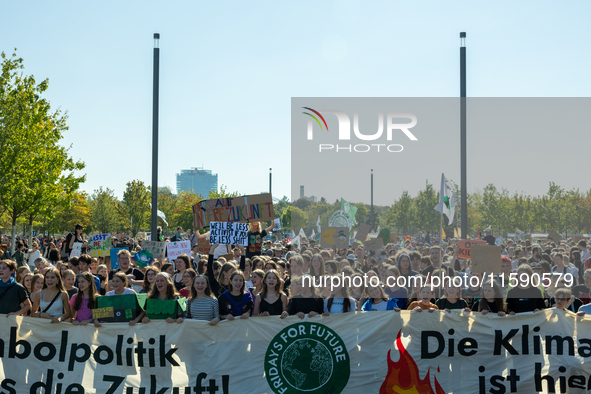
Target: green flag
pixel 350 209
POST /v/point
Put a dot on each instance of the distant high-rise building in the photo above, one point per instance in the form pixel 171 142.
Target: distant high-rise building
pixel 200 180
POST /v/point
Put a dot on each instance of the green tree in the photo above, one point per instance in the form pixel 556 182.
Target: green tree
pixel 36 173
pixel 135 208
pixel 298 218
pixel 427 218
pixel 402 213
pixel 67 217
pixel 103 206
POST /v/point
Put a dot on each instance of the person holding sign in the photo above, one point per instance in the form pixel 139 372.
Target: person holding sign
pixel 163 290
pixel 203 305
pixel 76 236
pixel 255 239
pixel 52 302
pixel 83 302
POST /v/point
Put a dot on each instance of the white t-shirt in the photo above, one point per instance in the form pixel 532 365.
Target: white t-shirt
pixel 126 291
pixel 380 306
pixel 32 257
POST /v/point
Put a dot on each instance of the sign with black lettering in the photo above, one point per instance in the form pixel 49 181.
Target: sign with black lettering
pixel 228 233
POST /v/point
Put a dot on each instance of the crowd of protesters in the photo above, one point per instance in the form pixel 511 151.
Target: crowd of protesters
pixel 280 279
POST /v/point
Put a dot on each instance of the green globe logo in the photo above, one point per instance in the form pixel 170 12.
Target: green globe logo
pixel 307 358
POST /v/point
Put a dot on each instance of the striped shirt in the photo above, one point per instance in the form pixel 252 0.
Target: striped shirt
pixel 204 308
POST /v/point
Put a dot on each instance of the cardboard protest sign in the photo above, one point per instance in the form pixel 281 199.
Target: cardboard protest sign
pixel 156 248
pixel 100 245
pixel 362 231
pixel 76 249
pixel 256 207
pixel 334 237
pixel 114 257
pixel 578 238
pixel 175 249
pixel 228 233
pixel 100 313
pixel 485 258
pixel 277 223
pixel 228 257
pixel 373 244
pixel 125 307
pixel 464 247
pixel 393 238
pixel 554 236
pixel 203 246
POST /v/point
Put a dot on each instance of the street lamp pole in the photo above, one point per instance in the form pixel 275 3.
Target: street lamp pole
pixel 372 221
pixel 463 135
pixel 154 226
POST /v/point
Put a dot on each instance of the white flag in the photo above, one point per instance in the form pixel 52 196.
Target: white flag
pixel 302 233
pixel 313 234
pixel 292 234
pixel 447 200
pixel 318 225
pixel 296 241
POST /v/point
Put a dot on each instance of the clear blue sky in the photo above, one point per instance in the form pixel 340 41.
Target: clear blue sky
pixel 228 71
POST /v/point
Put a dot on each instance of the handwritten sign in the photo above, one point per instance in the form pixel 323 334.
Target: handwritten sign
pixel 175 249
pixel 101 313
pixel 100 245
pixel 362 231
pixel 334 237
pixel 373 244
pixel 464 247
pixel 76 249
pixel 277 224
pixel 256 207
pixel 228 233
pixel 156 248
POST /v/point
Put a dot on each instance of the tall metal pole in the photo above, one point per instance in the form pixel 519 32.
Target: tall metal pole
pixel 372 222
pixel 463 134
pixel 154 227
pixel 270 178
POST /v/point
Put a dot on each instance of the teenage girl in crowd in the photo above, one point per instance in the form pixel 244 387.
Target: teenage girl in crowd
pixel 317 266
pixel 491 300
pixel 103 275
pixel 163 290
pixel 119 284
pixel 305 298
pixel 182 263
pixel 69 280
pixel 84 301
pixel 378 300
pixel 452 299
pixel 391 286
pixel 339 301
pixel 220 284
pixel 203 305
pixel 36 286
pixel 236 302
pixel 257 282
pixel 149 279
pixel 188 277
pixel 52 302
pixel 272 301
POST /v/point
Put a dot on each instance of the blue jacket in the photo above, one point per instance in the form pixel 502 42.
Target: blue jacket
pixel 392 303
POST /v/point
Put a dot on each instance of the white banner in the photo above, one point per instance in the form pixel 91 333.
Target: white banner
pixel 228 233
pixel 351 353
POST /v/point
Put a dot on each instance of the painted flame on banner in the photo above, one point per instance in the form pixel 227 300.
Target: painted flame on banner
pixel 403 375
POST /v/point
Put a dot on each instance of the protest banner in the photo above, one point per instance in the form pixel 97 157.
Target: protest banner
pixel 256 207
pixel 100 245
pixel 143 258
pixel 158 249
pixel 362 231
pixel 175 249
pixel 228 233
pixel 334 237
pixel 464 247
pixel 399 352
pixel 485 258
pixel 203 246
pixel 76 249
